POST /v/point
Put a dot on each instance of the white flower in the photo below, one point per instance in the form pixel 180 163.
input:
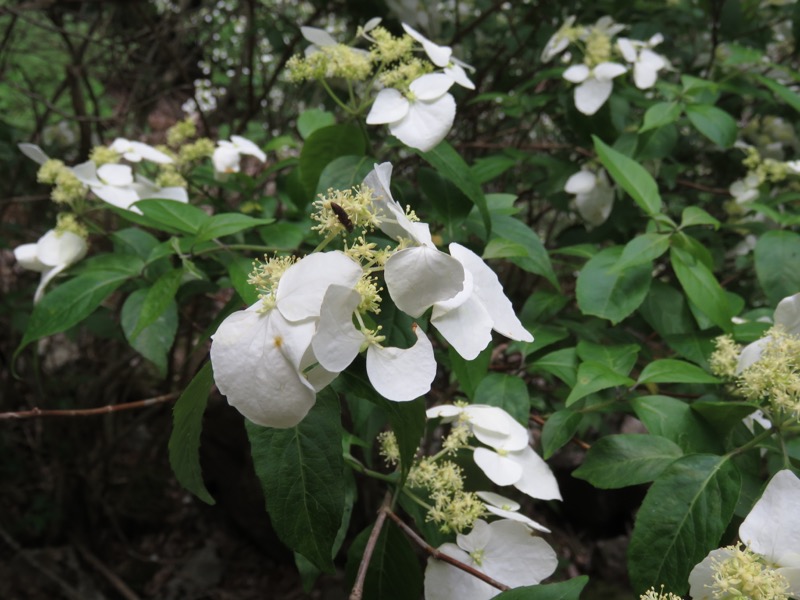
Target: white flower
pixel 558 42
pixel 421 120
pixel 227 155
pixel 771 530
pixel 745 190
pixel 787 316
pixel 441 56
pixel 595 86
pixel 594 196
pixel 467 320
pixel 507 508
pixel 504 550
pixel 646 63
pixel 136 151
pixel 54 252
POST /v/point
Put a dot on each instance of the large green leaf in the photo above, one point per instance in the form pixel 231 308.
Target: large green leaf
pixel 777 255
pixel 154 340
pixel 536 260
pixel 714 123
pixel 668 370
pixel 565 590
pixel 723 415
pixel 322 147
pixel 173 216
pixel 682 518
pixel 620 358
pixel 675 420
pixel 608 294
pixel 617 461
pixel 300 470
pixel 508 392
pixel 593 377
pixel 789 96
pixel 344 173
pixel 561 363
pixel 187 424
pixel 451 204
pixel 631 176
pixel 642 249
pixel 312 119
pixel 159 296
pixel 702 288
pixel 227 224
pixel 660 114
pixel 558 430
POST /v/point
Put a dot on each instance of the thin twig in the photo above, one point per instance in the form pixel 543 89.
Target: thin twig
pixel 441 555
pixel 122 587
pixel 87 412
pixel 369 549
pixel 578 442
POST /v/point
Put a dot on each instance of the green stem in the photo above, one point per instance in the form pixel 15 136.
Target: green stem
pixel 336 98
pixel 752 443
pixel 356 465
pixel 235 247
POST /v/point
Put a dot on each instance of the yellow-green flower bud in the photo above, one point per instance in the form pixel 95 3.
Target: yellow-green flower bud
pixel 69 222
pixel 598 48
pixel 102 155
pixel 49 171
pixel 169 177
pixel 388 49
pixel 196 151
pixel 68 189
pixel 181 132
pixel 388 447
pixel 724 359
pixel 401 76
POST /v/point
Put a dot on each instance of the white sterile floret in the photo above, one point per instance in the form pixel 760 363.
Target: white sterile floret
pixel 508 509
pixel 504 550
pixel 594 196
pixel 558 42
pixel 787 316
pixel 227 156
pixel 745 190
pixel 771 533
pixel 422 119
pixel 442 56
pixel 53 253
pixel 138 151
pixel 646 63
pixel 595 86
pixel 467 320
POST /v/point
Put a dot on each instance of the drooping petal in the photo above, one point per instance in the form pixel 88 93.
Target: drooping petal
pixel 581 182
pixel 499 469
pixel 701 578
pixel 337 340
pixel 787 314
pixel 317 375
pixel 245 146
pixel 117 175
pixel 389 106
pixel 439 55
pixel 596 205
pixel 431 86
pixel 457 73
pixel 537 480
pixel 577 73
pixel 302 287
pixel 467 328
pixel 426 124
pixel 419 277
pixel 317 36
pixel 772 528
pixel 496 428
pixel 515 516
pixel 34 152
pixel 498 501
pixel 402 374
pixel 147 152
pixel 608 70
pixel 515 557
pixel 627 49
pixel 60 248
pixel 178 194
pixel 592 94
pixel 28 258
pixel 86 172
pixel 445 411
pixel 47 277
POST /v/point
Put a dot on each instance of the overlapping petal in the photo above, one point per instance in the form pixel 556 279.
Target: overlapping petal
pixel 419 277
pixel 402 374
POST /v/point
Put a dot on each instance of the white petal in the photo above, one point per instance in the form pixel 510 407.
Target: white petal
pixel 626 49
pixel 147 152
pixel 86 173
pixel 787 314
pixel 117 175
pixel 389 106
pixel 498 501
pixel 253 357
pixel 33 152
pixel 772 528
pixel 477 539
pixel 372 24
pixel 467 328
pixel 515 557
pixel 608 70
pixel 47 276
pixel 515 516
pixel 701 579
pixel 655 40
pixel 645 72
pixel 337 340
pixel 63 248
pixel 426 124
pixel 439 55
pixel 592 94
pixel 178 194
pixel 445 582
pixel 752 353
pixel 400 374
pixel 225 159
pixel 27 258
pixel 577 73
pixel 557 43
pixel 459 76
pixel 500 469
pixel 537 480
pixel 595 206
pixel 316 375
pixel 489 291
pixel 120 197
pixel 431 86
pixel 317 36
pixel 496 428
pixel 419 277
pixel 121 146
pixel 245 146
pixel 445 411
pixel 580 182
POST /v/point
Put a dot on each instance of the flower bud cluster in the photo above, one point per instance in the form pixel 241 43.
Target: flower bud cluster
pixel 330 62
pixel 388 447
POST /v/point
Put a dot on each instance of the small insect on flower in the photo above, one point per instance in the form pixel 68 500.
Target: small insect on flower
pixel 341 214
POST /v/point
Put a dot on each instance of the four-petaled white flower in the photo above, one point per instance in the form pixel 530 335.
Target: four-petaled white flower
pixel 134 151
pixel 504 550
pixel 508 509
pixel 772 530
pixel 646 63
pixel 595 86
pixel 442 56
pixel 228 154
pixel 787 316
pixel 423 118
pixel 594 196
pixel 54 252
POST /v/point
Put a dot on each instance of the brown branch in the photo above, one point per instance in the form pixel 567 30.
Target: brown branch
pixel 575 440
pixel 358 587
pixel 87 412
pixel 442 556
pixel 703 188
pixel 122 587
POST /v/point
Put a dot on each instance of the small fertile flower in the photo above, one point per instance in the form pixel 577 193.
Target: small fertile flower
pixel 646 63
pixel 420 118
pixel 596 84
pixel 228 154
pixel 768 568
pixel 442 56
pixel 53 253
pixel 594 196
pixel 504 550
pixel 787 317
pixel 137 151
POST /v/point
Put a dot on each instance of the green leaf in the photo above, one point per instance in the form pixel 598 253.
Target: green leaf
pixel 284 235
pixel 469 373
pixel 665 309
pixel 593 377
pixel 723 415
pixel 561 363
pixel 300 470
pixel 789 96
pixel 604 293
pixel 173 216
pixel 702 288
pixel 344 172
pixel 536 259
pixel 226 224
pixel 502 248
pixel 675 420
pixel 682 518
pixel 660 114
pixel 239 268
pixel 669 370
pixel 565 590
pixel 631 176
pixel 322 147
pixel 777 255
pixel 154 340
pixel 559 429
pixel 714 123
pixel 159 296
pixel 491 167
pixel 449 202
pixel 407 420
pixel 133 241
pixel 642 249
pixel 445 159
pixel 618 461
pixel 620 358
pixel 184 441
pixel 508 392
pixel 111 265
pixel 312 119
pixel 694 215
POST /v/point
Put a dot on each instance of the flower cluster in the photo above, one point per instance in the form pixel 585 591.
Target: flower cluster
pixel 596 73
pixel 311 319
pixel 761 170
pixel 652 594
pixel 414 99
